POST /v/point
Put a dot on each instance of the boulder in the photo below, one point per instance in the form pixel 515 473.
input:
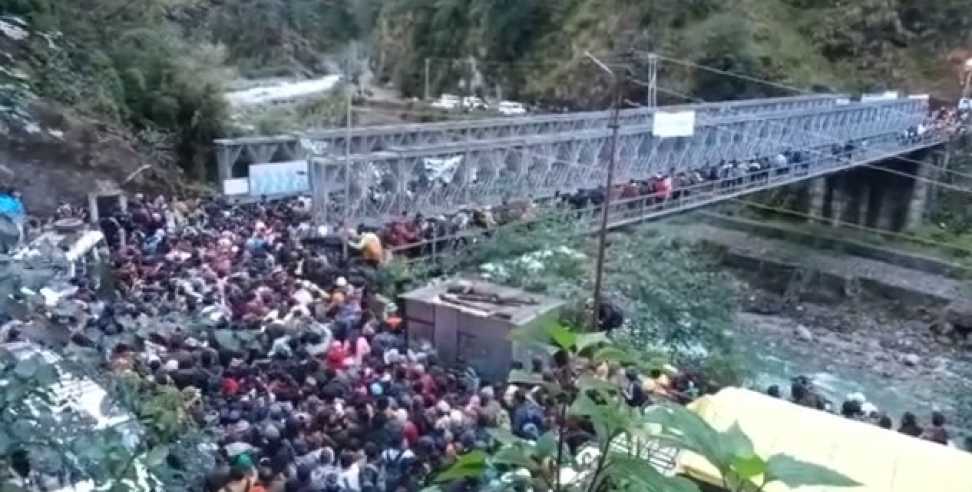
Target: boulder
pixel 911 360
pixel 959 315
pixel 803 333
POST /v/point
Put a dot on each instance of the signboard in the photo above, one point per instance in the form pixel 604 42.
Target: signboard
pixel 279 178
pixel 843 101
pixel 919 97
pixel 881 96
pixel 236 186
pixel 680 124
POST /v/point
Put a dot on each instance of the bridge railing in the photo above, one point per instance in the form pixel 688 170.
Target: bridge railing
pixel 629 211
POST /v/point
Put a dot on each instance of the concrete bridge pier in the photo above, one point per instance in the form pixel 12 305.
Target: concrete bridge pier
pixel 874 198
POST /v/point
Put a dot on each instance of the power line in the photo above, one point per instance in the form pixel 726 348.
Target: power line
pixel 727 73
pixel 909 237
pixel 942 184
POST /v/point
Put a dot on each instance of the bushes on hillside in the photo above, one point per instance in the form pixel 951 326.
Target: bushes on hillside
pixel 123 62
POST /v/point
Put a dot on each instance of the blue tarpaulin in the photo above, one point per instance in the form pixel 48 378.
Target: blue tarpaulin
pixel 12 207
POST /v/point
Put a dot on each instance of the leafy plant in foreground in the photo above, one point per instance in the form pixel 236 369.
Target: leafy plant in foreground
pixel 617 455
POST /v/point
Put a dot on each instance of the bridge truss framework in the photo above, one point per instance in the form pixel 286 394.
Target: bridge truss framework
pixel 442 177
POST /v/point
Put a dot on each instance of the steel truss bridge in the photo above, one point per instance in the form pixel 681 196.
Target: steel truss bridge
pixel 438 168
pixel 364 140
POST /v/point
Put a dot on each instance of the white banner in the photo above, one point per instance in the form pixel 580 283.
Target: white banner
pixel 443 169
pixel 236 186
pixel 843 101
pixel 919 97
pixel 881 96
pixel 680 124
pixel 279 178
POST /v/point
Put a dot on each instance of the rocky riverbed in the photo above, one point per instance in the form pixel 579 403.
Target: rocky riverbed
pixel 905 350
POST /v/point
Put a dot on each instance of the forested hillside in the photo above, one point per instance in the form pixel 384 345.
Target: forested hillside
pixel 534 47
pixel 150 73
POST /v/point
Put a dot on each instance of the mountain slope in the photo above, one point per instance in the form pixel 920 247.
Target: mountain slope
pixel 533 48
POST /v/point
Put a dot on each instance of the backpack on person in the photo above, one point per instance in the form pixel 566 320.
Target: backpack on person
pixel 395 469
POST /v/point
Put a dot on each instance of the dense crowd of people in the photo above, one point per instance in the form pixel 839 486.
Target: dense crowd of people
pixel 323 393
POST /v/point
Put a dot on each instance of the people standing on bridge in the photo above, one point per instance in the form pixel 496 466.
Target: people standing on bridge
pixel 663 187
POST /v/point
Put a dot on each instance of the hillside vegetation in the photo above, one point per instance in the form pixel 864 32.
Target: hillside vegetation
pixel 150 74
pixel 534 48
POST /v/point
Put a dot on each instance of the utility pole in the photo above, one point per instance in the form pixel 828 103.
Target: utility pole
pixel 347 176
pixel 602 231
pixel 652 80
pixel 428 70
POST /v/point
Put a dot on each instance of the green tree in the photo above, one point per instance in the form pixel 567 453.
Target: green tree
pixel 123 62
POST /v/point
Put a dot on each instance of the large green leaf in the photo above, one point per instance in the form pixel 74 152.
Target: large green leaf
pixel 589 340
pixel 735 443
pixel 747 468
pixel 609 419
pixel 536 333
pixel 641 476
pixel 546 446
pixel 613 354
pixel 513 455
pixel 504 436
pixel 562 337
pixel 469 465
pixel 797 473
pixel 684 429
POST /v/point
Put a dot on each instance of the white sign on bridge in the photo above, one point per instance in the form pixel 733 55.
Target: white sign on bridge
pixel 680 124
pixel 881 96
pixel 279 178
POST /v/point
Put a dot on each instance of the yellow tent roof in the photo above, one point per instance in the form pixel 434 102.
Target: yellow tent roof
pixel 881 460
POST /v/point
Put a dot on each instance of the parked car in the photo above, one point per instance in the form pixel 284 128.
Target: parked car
pixel 511 108
pixel 473 103
pixel 447 102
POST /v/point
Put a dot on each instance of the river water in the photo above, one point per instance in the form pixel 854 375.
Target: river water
pixel 839 367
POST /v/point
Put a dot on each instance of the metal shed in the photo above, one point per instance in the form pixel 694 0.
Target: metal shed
pixel 467 329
